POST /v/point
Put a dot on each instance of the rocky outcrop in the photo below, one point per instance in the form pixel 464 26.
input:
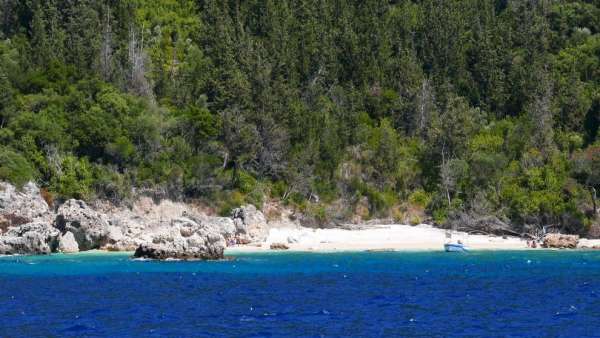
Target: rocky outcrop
pixel 223 225
pixel 31 238
pixel 185 239
pixel 167 229
pixel 279 246
pixel 26 204
pixel 67 243
pixel 89 227
pixel 560 241
pixel 119 241
pixel 250 223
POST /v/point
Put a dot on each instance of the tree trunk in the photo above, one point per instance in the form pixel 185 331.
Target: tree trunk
pixel 235 175
pixel 593 193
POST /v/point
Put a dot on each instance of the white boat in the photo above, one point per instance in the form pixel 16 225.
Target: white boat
pixel 455 247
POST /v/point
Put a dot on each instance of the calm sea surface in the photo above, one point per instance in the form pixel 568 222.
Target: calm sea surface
pixel 519 294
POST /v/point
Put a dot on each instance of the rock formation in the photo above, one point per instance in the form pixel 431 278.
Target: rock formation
pixel 164 230
pixel 250 223
pixel 67 243
pixel 27 204
pixel 88 226
pixel 185 239
pixel 31 238
pixel 560 241
pixel 279 246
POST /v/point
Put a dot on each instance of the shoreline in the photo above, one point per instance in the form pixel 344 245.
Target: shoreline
pixel 377 238
pixel 392 238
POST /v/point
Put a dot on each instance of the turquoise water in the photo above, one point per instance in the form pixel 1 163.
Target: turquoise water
pixel 520 294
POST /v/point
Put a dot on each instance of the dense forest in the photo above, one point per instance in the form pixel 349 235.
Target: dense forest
pixel 410 109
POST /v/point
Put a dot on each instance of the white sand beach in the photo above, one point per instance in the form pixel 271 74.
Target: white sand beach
pixel 378 238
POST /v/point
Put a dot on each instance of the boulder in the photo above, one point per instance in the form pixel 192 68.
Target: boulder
pixel 26 204
pixel 250 223
pixel 126 244
pixel 224 225
pixel 126 236
pixel 279 246
pixel 560 241
pixel 89 227
pixel 67 243
pixel 184 239
pixel 162 252
pixel 31 238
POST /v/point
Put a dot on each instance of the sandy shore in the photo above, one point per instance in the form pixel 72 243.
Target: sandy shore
pixel 384 237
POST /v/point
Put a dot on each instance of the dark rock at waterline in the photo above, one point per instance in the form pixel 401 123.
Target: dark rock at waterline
pixel 163 252
pixel 279 246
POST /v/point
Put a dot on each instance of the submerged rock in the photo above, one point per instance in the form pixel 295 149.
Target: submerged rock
pixel 88 226
pixel 560 241
pixel 31 238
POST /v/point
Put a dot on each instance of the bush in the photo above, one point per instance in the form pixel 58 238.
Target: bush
pixel 278 189
pixel 229 201
pixel 256 197
pixel 111 185
pixel 319 212
pixel 75 180
pixel 419 198
pixel 246 182
pixel 415 220
pixel 15 168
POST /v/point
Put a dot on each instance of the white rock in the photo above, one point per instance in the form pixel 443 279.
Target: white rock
pixel 27 203
pixel 30 238
pixel 184 239
pixel 250 223
pixel 67 243
pixel 89 227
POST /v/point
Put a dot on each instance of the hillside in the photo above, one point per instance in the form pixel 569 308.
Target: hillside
pixel 469 113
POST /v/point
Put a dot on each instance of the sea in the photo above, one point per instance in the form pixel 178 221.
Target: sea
pixel 287 294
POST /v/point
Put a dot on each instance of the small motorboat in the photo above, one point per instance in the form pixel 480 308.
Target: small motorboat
pixel 455 247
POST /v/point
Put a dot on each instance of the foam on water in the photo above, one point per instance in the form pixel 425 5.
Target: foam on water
pixel 525 293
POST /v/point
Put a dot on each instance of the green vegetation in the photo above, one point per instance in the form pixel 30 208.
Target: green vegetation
pixel 444 107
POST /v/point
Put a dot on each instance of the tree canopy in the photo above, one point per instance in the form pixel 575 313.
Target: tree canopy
pixel 418 108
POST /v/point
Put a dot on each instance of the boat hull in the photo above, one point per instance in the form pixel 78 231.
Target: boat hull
pixel 455 247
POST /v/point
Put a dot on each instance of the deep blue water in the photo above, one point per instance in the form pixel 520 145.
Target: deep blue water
pixel 516 294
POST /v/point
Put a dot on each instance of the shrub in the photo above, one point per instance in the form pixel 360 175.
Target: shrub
pixel 75 180
pixel 415 220
pixel 319 212
pixel 419 198
pixel 256 196
pixel 15 168
pixel 246 182
pixel 230 201
pixel 278 189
